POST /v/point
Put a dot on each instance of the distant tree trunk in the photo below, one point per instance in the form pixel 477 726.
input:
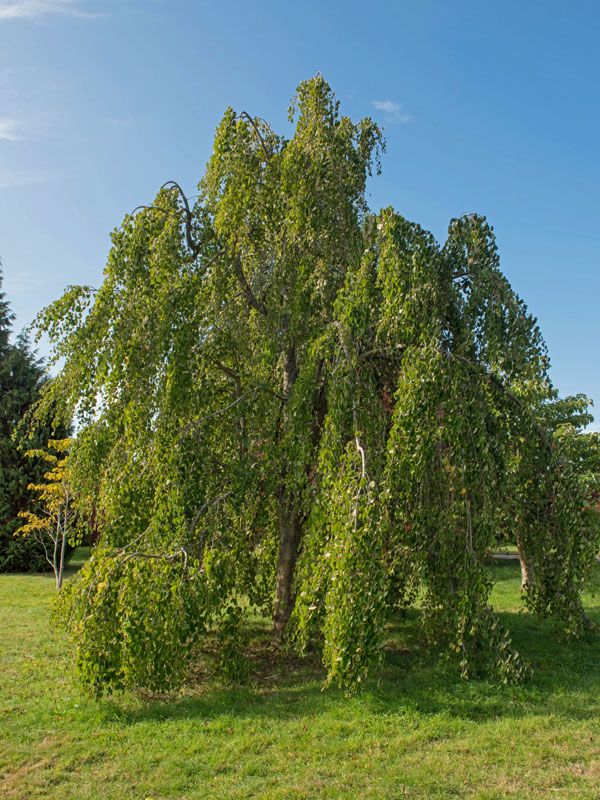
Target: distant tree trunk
pixel 290 531
pixel 527 575
pixel 61 565
pixel 63 544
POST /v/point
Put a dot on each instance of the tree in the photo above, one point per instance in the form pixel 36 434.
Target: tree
pixel 289 403
pixel 22 379
pixel 50 523
pixel 555 476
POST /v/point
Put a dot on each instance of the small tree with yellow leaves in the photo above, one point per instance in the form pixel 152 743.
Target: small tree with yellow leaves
pixel 50 525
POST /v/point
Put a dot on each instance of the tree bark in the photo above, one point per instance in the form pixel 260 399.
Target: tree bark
pixel 527 575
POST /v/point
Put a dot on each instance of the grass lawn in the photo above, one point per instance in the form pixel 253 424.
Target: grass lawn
pixel 507 549
pixel 420 732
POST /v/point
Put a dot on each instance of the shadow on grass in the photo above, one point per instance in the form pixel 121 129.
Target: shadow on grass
pixel 414 681
pixel 505 569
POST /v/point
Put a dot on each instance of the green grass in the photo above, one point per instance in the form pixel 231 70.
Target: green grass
pixel 420 732
pixel 507 549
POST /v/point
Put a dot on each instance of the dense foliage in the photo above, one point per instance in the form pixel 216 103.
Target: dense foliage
pixel 288 403
pixel 22 379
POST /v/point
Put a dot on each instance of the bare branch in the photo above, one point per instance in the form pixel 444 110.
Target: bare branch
pixel 227 370
pixel 196 423
pixel 251 298
pixel 156 556
pixel 398 348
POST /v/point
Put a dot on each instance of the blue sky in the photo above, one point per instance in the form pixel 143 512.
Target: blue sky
pixel 489 107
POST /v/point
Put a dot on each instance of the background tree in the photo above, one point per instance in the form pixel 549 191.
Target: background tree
pixel 50 525
pixel 555 474
pixel 289 404
pixel 22 379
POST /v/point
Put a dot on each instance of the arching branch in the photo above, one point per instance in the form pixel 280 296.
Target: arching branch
pixel 193 246
pixel 144 208
pixel 245 115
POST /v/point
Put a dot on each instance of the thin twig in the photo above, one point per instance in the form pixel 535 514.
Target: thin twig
pixel 196 423
pixel 206 505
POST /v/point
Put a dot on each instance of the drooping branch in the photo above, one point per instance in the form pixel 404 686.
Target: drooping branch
pixel 498 383
pixel 359 447
pixel 237 380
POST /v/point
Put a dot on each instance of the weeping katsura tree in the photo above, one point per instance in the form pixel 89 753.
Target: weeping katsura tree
pixel 290 404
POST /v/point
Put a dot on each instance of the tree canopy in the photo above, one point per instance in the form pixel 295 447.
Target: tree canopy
pixel 289 403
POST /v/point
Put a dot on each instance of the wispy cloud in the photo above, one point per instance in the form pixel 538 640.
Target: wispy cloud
pixel 120 122
pixel 32 9
pixel 393 111
pixel 26 281
pixel 10 180
pixel 387 105
pixel 30 125
pixel 7 76
pixel 9 129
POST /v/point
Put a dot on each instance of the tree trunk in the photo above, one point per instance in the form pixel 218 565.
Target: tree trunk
pixel 526 567
pixel 289 545
pixel 63 545
pixel 55 556
pixel 289 522
pixel 290 373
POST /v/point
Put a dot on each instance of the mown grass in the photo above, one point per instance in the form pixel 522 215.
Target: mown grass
pixel 417 732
